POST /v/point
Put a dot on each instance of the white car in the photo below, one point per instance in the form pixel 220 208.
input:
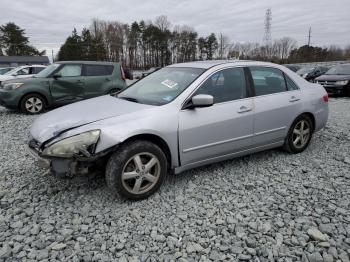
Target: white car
pixel 22 72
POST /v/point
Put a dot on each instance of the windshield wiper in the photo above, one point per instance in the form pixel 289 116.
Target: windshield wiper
pixel 132 99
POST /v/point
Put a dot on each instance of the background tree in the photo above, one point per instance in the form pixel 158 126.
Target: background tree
pixel 14 42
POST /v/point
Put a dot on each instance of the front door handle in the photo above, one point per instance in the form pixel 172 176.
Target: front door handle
pixel 293 99
pixel 244 109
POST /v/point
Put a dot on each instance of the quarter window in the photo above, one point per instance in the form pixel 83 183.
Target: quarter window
pixel 70 70
pixel 290 84
pixel 226 85
pixel 98 70
pixel 267 80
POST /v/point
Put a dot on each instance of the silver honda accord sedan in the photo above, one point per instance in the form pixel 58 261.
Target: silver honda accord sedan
pixel 180 117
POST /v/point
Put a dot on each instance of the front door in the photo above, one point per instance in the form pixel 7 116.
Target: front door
pixel 224 128
pixel 68 85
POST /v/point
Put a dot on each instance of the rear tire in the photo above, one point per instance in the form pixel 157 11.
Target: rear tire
pixel 136 170
pixel 32 104
pixel 299 135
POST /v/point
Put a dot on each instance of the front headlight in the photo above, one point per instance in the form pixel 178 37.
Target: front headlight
pixel 73 145
pixel 11 86
pixel 342 83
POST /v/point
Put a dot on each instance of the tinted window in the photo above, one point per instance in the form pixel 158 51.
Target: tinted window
pixel 98 70
pixel 267 80
pixel 36 70
pixel 70 70
pixel 290 84
pixel 226 85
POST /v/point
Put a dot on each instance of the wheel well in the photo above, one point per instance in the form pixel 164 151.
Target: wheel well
pixel 32 93
pixel 156 140
pixel 312 117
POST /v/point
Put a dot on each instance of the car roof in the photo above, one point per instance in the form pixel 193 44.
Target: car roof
pixel 87 62
pixel 211 63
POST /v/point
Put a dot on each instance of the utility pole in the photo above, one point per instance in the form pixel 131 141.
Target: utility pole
pixel 53 59
pixel 309 37
pixel 267 24
pixel 221 47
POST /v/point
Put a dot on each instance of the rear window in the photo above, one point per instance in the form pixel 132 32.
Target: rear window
pixel 98 70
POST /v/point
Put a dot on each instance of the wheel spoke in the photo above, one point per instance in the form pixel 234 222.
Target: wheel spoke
pixel 138 163
pixel 150 164
pixel 296 141
pixel 129 175
pixel 306 131
pixel 150 178
pixel 302 125
pixel 137 185
pixel 296 131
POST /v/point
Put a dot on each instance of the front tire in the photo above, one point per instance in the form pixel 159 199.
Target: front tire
pixel 136 170
pixel 299 135
pixel 32 104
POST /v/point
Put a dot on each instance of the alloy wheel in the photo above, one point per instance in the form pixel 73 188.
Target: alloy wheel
pixel 34 105
pixel 140 173
pixel 301 134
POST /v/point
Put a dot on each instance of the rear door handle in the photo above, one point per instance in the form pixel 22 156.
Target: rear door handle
pixel 293 99
pixel 244 109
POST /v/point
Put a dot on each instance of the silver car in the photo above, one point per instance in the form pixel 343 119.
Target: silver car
pixel 180 117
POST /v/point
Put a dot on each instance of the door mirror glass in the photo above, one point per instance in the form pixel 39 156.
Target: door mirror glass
pixel 202 101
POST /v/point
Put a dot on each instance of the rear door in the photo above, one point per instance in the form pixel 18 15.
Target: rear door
pixel 221 129
pixel 68 87
pixel 98 79
pixel 276 102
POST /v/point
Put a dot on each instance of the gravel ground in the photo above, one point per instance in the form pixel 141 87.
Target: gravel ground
pixel 270 206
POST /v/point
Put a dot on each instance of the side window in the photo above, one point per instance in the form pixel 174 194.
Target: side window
pixel 23 71
pixel 226 85
pixel 290 84
pixel 70 70
pixel 98 70
pixel 267 80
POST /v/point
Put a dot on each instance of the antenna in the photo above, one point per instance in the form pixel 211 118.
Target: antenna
pixel 267 35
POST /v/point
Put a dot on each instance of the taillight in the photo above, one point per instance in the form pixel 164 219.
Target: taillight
pixel 122 73
pixel 325 98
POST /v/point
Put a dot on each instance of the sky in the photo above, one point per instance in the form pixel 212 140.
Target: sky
pixel 48 22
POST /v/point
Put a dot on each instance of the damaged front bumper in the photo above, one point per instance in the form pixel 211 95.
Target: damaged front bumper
pixel 65 167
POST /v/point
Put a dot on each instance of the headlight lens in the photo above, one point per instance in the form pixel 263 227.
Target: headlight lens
pixel 11 86
pixel 342 83
pixel 73 145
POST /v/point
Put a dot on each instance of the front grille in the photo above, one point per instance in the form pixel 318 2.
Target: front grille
pixel 326 82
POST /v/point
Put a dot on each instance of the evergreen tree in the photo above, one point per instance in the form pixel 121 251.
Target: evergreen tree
pixel 14 42
pixel 72 48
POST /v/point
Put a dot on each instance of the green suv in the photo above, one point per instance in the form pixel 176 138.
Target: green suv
pixel 62 83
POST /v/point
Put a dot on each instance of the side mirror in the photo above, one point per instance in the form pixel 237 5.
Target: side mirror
pixel 201 101
pixel 55 76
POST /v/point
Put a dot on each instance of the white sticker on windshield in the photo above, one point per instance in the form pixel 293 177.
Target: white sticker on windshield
pixel 169 83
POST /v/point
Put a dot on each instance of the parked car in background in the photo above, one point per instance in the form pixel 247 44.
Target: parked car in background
pixel 150 71
pixel 62 83
pixel 336 80
pixel 294 68
pixel 4 70
pixel 180 117
pixel 310 73
pixel 22 72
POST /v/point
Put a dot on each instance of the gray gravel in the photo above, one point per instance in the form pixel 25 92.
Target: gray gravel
pixel 270 206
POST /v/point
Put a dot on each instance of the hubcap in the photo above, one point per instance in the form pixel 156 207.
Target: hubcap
pixel 34 105
pixel 141 173
pixel 301 134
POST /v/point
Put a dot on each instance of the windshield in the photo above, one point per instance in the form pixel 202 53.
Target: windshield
pixel 339 70
pixel 305 70
pixel 12 71
pixel 47 71
pixel 161 87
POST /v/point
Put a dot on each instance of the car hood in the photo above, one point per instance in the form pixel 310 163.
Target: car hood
pixel 5 77
pixel 333 78
pixel 51 124
pixel 29 79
